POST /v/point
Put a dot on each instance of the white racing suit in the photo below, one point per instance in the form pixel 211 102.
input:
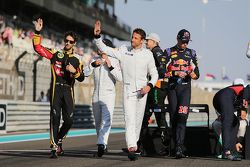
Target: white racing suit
pixel 136 65
pixel 103 99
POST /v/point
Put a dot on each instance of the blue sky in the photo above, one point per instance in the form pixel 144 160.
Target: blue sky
pixel 220 29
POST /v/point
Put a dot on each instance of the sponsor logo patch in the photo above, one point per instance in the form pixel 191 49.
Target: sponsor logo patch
pixel 129 54
pixel 60 55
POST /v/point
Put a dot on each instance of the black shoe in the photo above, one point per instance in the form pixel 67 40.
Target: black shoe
pixel 138 152
pixel 60 150
pixel 125 150
pixel 179 153
pixel 231 157
pixel 53 154
pixel 101 150
pixel 133 156
pixel 164 151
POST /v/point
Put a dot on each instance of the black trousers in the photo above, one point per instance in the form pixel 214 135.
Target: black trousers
pixel 62 102
pixel 223 103
pixel 179 98
pixel 155 104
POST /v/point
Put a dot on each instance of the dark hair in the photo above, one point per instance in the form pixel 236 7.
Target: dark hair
pixel 37 16
pixel 72 34
pixel 141 32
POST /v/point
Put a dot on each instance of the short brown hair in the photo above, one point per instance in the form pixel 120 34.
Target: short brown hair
pixel 141 32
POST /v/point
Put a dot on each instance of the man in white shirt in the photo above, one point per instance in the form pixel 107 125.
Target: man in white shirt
pixel 137 63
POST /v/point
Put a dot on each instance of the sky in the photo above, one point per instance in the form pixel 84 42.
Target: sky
pixel 220 29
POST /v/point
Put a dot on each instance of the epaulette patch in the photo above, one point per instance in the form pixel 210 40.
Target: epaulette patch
pixel 174 56
pixel 173 53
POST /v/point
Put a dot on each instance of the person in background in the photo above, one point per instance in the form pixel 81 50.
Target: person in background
pixel 226 102
pixel 156 97
pixel 42 97
pixel 2 28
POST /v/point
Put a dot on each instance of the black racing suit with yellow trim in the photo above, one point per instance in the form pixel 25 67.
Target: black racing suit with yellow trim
pixel 155 100
pixel 179 89
pixel 62 88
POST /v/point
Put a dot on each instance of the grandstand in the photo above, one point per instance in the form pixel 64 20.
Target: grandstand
pixel 18 79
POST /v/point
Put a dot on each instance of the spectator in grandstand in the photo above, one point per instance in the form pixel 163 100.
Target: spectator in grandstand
pixel 136 64
pixel 2 28
pixel 23 34
pixel 7 35
pixel 80 51
pixel 30 34
pixel 107 72
pixel 226 102
pixel 2 23
pixel 42 97
pixel 65 68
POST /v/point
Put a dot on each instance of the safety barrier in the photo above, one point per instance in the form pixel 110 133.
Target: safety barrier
pixel 83 117
pixel 23 116
pixel 29 116
pixel 118 118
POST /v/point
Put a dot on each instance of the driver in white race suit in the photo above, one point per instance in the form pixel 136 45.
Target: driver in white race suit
pixel 137 63
pixel 106 72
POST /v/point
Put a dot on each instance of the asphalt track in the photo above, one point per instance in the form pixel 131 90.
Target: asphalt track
pixel 80 151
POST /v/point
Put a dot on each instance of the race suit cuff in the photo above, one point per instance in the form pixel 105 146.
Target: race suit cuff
pixel 97 36
pixel 150 85
pixel 240 139
pixel 76 74
pixel 111 68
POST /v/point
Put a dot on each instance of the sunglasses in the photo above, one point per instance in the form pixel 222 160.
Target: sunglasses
pixel 71 42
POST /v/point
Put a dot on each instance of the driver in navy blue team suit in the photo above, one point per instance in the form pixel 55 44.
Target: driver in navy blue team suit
pixel 182 66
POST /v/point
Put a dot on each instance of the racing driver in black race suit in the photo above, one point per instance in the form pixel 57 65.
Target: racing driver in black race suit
pixel 65 68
